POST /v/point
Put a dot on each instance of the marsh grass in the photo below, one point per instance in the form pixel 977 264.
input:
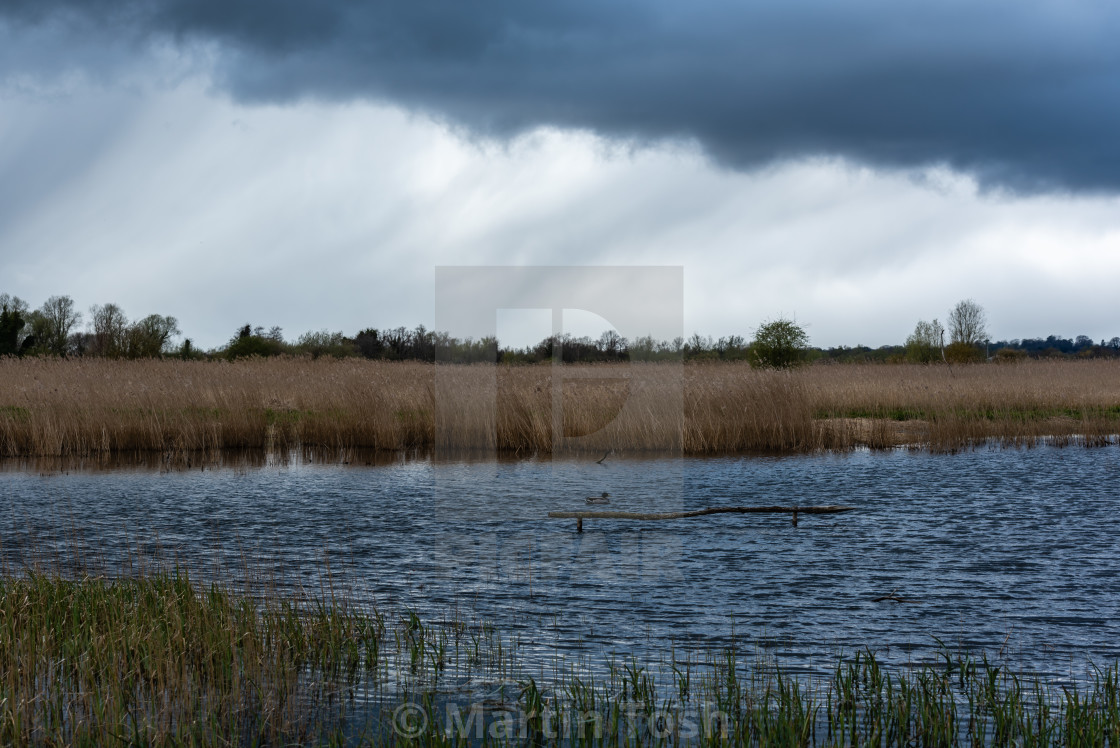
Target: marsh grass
pixel 162 660
pixel 95 407
pixel 93 662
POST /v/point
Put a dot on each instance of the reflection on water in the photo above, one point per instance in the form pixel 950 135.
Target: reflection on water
pixel 1011 549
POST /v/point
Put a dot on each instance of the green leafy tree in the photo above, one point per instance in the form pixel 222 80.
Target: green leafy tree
pixel 37 328
pixel 25 341
pixel 11 324
pixel 779 344
pixel 923 346
pixel 17 306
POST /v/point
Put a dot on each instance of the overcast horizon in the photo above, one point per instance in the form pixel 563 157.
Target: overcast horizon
pixel 855 167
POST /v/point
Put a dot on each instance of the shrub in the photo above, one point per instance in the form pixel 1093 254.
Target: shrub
pixel 963 353
pixel 248 342
pixel 1009 355
pixel 779 344
pixel 326 343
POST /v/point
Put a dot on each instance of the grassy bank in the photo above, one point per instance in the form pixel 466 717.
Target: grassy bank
pixel 161 661
pixel 51 407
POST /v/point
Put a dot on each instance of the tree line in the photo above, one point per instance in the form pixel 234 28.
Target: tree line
pixel 52 329
pixel 969 341
pixel 56 328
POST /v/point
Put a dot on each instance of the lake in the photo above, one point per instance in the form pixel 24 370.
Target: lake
pixel 1003 550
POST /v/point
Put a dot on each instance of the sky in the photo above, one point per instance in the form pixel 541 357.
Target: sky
pixel 855 166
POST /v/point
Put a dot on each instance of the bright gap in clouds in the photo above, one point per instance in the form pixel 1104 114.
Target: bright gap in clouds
pixel 318 215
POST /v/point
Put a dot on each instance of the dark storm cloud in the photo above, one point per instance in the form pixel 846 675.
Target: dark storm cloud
pixel 1023 94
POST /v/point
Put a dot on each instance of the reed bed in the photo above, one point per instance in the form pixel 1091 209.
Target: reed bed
pixel 159 660
pixel 97 407
pixel 1024 403
pixel 98 663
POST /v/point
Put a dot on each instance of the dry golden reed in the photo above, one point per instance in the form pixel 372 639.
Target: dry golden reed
pixel 97 407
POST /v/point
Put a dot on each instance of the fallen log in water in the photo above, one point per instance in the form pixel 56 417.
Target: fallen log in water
pixel 579 517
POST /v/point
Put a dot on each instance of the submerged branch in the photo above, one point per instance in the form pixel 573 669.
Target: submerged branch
pixel 703 512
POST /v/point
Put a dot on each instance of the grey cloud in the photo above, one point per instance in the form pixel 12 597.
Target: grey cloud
pixel 1025 96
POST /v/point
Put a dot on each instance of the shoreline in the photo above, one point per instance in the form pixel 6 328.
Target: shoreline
pixel 357 457
pixel 94 408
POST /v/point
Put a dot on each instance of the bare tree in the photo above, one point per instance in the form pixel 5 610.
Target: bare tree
pixel 110 330
pixel 14 303
pixel 59 317
pixel 324 343
pixel 149 337
pixel 699 343
pixel 968 323
pixel 611 343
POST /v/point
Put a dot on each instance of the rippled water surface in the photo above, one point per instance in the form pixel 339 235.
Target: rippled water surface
pixel 1003 549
